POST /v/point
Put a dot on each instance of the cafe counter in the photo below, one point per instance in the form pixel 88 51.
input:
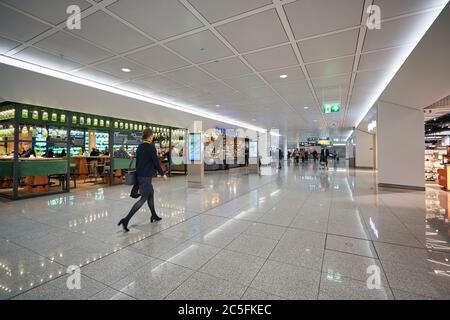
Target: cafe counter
pixel 35 172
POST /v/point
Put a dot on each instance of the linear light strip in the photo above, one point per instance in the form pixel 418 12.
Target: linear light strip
pixel 398 64
pixel 104 87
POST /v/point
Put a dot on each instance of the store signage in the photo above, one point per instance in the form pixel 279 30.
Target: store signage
pixel 372 125
pixel 324 142
pixel 227 132
pixel 331 107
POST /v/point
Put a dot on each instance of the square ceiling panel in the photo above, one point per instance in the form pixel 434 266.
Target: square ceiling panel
pixel 391 8
pixel 245 82
pixel 16 26
pixel 181 93
pixel 6 45
pixel 339 80
pixel 227 68
pixel 110 33
pixel 262 93
pixel 78 50
pixel 327 47
pixel 370 78
pixel 98 76
pixel 301 100
pixel 45 59
pixel 136 88
pixel 274 58
pixel 294 87
pixel 313 17
pixel 158 83
pixel 292 74
pixel 330 67
pixel 332 94
pixel 254 32
pixel 200 47
pixel 115 67
pixel 158 58
pixel 215 10
pixel 190 76
pixel 160 19
pixel 380 59
pixel 52 11
pixel 398 32
pixel 214 89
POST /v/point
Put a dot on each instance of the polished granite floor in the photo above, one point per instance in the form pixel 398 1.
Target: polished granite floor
pixel 301 233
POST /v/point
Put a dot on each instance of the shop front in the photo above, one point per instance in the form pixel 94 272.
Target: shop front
pixel 46 150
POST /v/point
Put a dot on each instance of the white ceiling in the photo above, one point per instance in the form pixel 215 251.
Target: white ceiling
pixel 205 53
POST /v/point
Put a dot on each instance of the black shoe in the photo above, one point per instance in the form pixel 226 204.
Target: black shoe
pixel 156 218
pixel 124 225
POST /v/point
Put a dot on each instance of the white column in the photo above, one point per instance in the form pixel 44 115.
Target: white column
pixel 285 148
pixel 364 150
pixel 262 145
pixel 400 146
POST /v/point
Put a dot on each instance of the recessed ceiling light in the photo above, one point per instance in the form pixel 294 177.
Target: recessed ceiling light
pixel 315 120
pixel 306 108
pixel 126 70
pixel 218 105
pixel 283 76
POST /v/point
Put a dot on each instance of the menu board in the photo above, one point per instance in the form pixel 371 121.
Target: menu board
pixel 195 146
pixel 127 137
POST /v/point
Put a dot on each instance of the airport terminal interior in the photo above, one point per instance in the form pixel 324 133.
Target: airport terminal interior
pixel 301 149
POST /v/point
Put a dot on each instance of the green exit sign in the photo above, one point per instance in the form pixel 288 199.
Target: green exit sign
pixel 331 107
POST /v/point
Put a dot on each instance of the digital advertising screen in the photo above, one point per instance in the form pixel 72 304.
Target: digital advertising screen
pixel 195 146
pixel 253 149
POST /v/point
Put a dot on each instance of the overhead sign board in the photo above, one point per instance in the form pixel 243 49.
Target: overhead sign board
pixel 331 107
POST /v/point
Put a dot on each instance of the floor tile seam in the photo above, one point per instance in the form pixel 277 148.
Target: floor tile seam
pixel 152 259
pixel 269 293
pixel 396 288
pixel 106 286
pixel 415 293
pixel 298 212
pixel 384 271
pixel 37 286
pixel 215 255
pixel 36 253
pixel 395 214
pixel 324 251
pixel 353 254
pixel 265 261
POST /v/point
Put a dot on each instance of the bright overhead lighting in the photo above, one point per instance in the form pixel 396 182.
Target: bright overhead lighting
pixel 275 134
pixel 218 105
pixel 137 96
pixel 306 108
pixel 283 76
pixel 126 70
pixel 315 120
pixel 349 135
pixel 420 30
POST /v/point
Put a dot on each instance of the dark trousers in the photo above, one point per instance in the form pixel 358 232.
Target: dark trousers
pixel 147 195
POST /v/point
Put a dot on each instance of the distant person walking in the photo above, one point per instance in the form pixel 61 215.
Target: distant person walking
pixel 280 158
pixel 147 163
